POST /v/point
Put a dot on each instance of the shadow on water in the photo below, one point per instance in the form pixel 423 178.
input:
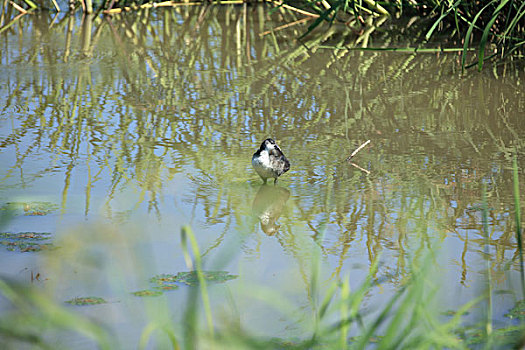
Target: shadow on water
pixel 158 113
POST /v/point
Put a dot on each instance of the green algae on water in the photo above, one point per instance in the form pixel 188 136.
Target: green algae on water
pixel 82 301
pixel 147 293
pixel 29 236
pixel 36 208
pixel 453 313
pixel 25 241
pixel 517 312
pixel 166 287
pixel 166 282
pixel 191 278
pixel 25 247
pixel 163 279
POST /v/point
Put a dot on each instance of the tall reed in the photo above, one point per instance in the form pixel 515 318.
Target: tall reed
pixel 495 27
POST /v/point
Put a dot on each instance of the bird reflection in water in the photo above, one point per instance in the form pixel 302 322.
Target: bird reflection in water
pixel 268 205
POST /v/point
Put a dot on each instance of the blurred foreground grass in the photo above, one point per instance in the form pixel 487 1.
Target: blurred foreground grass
pixel 411 318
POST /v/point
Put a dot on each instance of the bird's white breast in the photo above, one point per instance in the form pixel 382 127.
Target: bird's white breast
pixel 264 159
pixel 262 164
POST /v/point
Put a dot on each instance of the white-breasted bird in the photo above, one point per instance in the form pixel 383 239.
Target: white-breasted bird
pixel 269 161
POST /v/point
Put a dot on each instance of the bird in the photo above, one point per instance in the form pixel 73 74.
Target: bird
pixel 269 161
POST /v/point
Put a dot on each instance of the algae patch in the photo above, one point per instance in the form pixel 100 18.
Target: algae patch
pixel 167 282
pixel 36 208
pixel 26 241
pixel 82 301
pixel 147 293
pixel 191 278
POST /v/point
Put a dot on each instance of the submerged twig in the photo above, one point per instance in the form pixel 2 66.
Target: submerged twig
pixel 53 21
pixel 160 4
pixel 357 150
pixel 170 3
pixel 281 4
pixel 358 167
pixel 395 49
pixel 12 22
pixel 306 19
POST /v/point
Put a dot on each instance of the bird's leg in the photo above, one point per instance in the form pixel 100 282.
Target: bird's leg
pixel 275 181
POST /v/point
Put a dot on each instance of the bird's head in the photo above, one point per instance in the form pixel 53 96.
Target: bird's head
pixel 269 145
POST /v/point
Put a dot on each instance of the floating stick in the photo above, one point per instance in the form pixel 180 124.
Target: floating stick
pixel 56 5
pixel 357 150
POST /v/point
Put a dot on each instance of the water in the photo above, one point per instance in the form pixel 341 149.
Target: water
pixel 137 124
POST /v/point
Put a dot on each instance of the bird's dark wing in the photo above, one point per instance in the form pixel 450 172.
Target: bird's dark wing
pixel 276 152
pixel 286 164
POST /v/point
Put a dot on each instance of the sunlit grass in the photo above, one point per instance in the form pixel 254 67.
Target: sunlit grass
pixel 494 28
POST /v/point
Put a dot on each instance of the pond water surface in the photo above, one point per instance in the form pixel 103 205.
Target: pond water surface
pixel 135 125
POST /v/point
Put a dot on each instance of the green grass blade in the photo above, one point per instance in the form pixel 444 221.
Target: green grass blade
pixel 469 34
pixel 354 300
pixel 485 222
pixel 187 233
pixel 149 329
pixel 398 329
pixel 436 23
pixel 321 18
pixel 517 215
pixel 519 14
pixel 345 294
pixel 363 342
pixel 30 4
pixel 327 300
pixel 51 315
pixel 485 36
